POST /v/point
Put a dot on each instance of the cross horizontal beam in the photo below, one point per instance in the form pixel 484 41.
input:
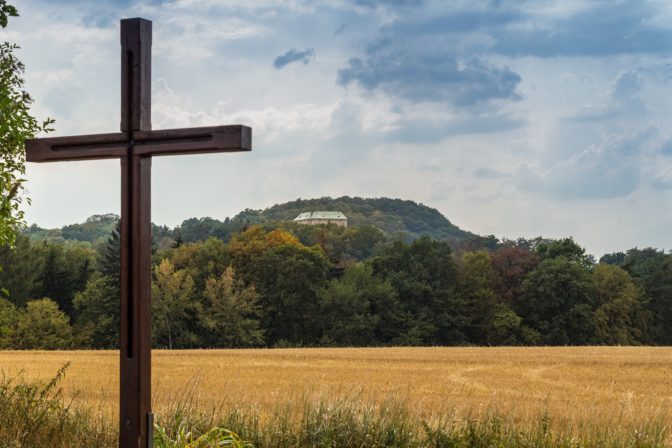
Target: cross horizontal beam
pixel 164 142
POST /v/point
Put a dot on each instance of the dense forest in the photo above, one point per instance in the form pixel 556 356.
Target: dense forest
pixel 400 274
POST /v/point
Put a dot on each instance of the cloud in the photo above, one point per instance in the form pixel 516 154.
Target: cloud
pixel 596 29
pixel 622 102
pixel 606 150
pixel 305 56
pixel 667 148
pixel 387 3
pixel 488 173
pixel 430 76
pixel 627 85
pixel 608 170
pixel 428 55
pixel 444 51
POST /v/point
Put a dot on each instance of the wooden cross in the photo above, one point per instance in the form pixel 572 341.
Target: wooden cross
pixel 135 145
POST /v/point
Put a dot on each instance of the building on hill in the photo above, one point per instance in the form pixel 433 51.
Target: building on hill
pixel 313 218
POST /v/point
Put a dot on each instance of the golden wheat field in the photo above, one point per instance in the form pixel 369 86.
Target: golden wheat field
pixel 576 386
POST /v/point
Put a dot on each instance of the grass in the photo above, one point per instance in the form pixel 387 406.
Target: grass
pixel 37 415
pixel 441 397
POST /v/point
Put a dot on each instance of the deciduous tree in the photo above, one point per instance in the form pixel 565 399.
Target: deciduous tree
pixel 9 317
pixel 511 265
pixel 356 306
pixel 172 307
pixel 231 313
pixel 424 275
pixel 20 272
pixel 565 248
pixel 42 326
pixel 557 301
pixel 620 317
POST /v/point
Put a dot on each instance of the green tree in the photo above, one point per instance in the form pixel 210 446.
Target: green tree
pixel 329 237
pixel 172 307
pixel 202 260
pixel 363 241
pixel 231 313
pixel 424 275
pixel 658 285
pixel 505 328
pixel 42 326
pixel 200 229
pixel 615 258
pixel 16 126
pixel 354 306
pixel 493 322
pixel 557 301
pixel 288 277
pixel 566 248
pixel 21 268
pixel 9 317
pixel 96 305
pixel 110 259
pixel 54 280
pixel 476 278
pixel 97 308
pixel 652 269
pixel 621 317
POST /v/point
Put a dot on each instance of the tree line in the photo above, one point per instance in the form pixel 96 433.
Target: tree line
pixel 403 218
pixel 283 284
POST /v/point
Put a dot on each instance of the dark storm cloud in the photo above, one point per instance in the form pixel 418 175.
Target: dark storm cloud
pixel 293 55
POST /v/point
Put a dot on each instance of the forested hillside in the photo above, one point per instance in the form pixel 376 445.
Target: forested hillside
pixel 406 219
pixel 389 215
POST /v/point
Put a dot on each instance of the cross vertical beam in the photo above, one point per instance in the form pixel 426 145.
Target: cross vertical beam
pixel 135 430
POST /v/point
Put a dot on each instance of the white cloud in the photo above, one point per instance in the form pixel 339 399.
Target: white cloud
pixel 196 39
pixel 55 76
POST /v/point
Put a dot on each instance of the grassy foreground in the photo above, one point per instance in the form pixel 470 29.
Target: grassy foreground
pixel 611 397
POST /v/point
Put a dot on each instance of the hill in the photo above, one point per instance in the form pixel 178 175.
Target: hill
pixel 95 229
pixel 393 216
pixel 390 215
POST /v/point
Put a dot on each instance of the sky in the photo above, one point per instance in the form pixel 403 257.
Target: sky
pixel 512 118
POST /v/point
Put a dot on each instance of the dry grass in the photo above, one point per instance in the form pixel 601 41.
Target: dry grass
pixel 577 387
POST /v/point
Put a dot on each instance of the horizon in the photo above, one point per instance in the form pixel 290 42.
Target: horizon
pixel 506 237
pixel 512 119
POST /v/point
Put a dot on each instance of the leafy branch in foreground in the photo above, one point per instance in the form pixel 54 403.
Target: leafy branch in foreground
pixel 16 126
